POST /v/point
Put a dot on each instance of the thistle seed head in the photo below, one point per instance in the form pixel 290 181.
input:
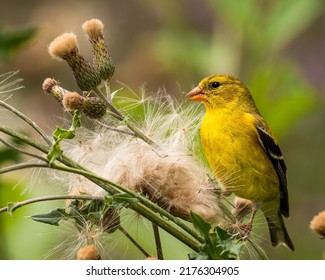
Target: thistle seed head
pixel 72 101
pixel 52 86
pixel 93 28
pixel 64 46
pixel 102 60
pixel 88 252
pixel 317 224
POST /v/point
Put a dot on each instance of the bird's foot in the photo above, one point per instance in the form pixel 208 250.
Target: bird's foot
pixel 244 230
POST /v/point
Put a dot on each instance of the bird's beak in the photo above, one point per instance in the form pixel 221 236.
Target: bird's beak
pixel 196 94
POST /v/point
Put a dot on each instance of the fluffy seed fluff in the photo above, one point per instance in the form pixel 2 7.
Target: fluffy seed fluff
pixel 93 28
pixel 317 224
pixel 170 175
pixel 63 45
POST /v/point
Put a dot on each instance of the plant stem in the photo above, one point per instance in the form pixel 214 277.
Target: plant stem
pixel 134 242
pixel 21 150
pixel 156 234
pixel 47 198
pixel 145 209
pixel 23 165
pixel 118 115
pixel 28 121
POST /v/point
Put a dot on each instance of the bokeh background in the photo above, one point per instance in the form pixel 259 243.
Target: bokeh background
pixel 275 46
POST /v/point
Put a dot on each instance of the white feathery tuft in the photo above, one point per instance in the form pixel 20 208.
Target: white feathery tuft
pixel 171 175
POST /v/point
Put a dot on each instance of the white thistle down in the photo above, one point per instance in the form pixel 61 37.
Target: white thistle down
pixel 171 175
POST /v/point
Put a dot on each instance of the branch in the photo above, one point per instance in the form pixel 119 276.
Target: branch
pixel 47 198
pixel 24 165
pixel 21 150
pixel 28 121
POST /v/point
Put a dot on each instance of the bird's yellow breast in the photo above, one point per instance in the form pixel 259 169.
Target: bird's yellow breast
pixel 236 157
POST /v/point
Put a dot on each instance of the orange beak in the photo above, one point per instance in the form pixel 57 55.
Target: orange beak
pixel 196 94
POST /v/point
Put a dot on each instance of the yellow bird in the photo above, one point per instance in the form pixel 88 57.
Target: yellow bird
pixel 242 151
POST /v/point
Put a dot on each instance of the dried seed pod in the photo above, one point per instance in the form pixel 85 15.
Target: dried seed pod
pixel 317 224
pixel 88 252
pixel 65 48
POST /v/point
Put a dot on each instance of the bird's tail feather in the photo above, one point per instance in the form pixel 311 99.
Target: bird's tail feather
pixel 278 231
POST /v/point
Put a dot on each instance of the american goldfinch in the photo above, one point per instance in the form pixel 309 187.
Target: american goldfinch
pixel 243 152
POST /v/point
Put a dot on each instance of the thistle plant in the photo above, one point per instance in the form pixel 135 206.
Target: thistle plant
pixel 125 155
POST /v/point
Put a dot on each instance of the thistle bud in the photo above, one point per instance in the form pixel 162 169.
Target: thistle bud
pixel 72 101
pixel 65 48
pixel 102 60
pixel 94 107
pixel 317 224
pixel 88 252
pixel 52 86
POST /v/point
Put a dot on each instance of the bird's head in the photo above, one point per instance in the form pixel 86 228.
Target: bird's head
pixel 222 91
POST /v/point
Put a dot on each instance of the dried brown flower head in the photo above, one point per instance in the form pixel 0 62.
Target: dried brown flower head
pixel 317 224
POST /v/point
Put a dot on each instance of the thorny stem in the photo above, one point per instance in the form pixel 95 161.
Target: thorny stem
pixel 28 121
pixel 48 198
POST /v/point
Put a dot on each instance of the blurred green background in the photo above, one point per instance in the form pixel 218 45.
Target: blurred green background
pixel 275 46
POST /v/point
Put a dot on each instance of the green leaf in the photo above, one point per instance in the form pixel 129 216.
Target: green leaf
pixel 201 225
pixel 53 217
pixel 54 152
pixel 219 244
pixel 59 134
pixel 12 39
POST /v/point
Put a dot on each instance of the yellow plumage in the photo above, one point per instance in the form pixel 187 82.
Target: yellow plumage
pixel 242 150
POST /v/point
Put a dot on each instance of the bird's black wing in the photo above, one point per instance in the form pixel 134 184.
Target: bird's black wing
pixel 274 153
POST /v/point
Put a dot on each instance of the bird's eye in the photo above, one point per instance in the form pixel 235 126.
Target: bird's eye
pixel 215 84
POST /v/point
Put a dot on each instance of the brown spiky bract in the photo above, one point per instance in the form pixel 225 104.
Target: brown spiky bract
pixel 94 107
pixel 317 224
pixel 65 47
pixel 102 60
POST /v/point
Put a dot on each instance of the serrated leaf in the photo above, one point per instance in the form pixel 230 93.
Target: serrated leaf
pixel 59 134
pixel 52 218
pixel 201 225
